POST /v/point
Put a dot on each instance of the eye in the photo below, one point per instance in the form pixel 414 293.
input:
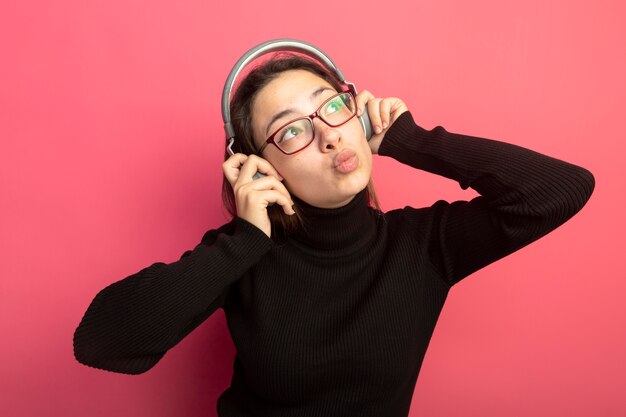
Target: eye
pixel 289 133
pixel 334 105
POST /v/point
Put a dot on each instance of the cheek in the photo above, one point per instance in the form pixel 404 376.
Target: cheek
pixel 300 173
pixel 295 170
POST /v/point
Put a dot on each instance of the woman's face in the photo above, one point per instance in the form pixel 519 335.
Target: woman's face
pixel 336 165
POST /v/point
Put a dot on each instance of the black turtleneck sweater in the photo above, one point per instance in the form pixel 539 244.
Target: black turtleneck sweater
pixel 335 319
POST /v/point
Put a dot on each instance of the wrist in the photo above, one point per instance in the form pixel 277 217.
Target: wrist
pixel 402 129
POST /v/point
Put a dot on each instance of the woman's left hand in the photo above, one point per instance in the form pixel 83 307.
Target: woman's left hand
pixel 382 111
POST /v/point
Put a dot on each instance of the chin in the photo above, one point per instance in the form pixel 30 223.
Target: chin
pixel 337 200
pixel 356 183
pixel 346 196
pixel 336 194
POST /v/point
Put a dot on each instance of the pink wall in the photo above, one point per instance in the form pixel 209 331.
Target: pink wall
pixel 110 161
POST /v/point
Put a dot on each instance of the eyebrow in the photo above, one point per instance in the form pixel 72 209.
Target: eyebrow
pixel 286 112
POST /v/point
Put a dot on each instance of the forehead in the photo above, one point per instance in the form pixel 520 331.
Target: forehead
pixel 289 89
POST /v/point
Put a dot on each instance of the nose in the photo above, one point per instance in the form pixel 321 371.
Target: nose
pixel 328 137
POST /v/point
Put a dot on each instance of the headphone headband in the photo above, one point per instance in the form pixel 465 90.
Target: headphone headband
pixel 265 48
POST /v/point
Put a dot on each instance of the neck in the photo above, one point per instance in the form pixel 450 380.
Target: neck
pixel 343 229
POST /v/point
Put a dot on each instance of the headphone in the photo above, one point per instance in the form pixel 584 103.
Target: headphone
pixel 284 44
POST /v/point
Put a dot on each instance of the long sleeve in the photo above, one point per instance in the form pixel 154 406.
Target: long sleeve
pixel 130 324
pixel 523 194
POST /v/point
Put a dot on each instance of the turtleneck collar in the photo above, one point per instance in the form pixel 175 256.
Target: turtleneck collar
pixel 343 230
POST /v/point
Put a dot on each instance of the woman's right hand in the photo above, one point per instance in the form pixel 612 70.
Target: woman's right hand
pixel 253 197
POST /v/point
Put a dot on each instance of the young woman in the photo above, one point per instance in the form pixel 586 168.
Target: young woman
pixel 330 302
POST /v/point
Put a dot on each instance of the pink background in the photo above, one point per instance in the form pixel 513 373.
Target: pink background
pixel 110 161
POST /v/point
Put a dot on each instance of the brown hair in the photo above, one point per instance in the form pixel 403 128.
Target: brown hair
pixel 241 118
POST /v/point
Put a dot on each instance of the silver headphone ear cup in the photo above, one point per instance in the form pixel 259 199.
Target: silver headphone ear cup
pixel 366 123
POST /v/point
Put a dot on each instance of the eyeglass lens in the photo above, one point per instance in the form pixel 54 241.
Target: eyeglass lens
pixel 299 133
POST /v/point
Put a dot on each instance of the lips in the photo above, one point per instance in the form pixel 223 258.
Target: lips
pixel 346 161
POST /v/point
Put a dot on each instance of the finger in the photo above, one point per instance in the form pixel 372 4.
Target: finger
pixel 266 191
pixel 256 164
pixel 276 197
pixel 373 108
pixel 385 111
pixel 232 166
pixel 397 109
pixel 265 167
pixel 269 183
pixel 361 101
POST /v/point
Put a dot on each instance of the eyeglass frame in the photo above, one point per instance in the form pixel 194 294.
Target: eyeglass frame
pixel 310 117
